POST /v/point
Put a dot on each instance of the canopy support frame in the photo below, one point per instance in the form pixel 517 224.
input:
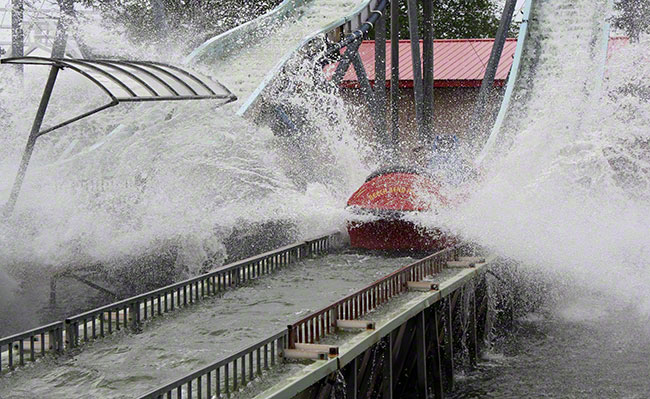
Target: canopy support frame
pixel 57 64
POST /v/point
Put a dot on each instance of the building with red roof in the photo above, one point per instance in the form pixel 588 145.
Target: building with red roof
pixel 457 62
pixel 459 67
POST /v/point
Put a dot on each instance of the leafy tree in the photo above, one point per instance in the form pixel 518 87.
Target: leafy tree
pixel 198 20
pixel 457 19
pixel 633 17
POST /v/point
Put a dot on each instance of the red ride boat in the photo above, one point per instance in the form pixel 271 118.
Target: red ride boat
pixel 383 200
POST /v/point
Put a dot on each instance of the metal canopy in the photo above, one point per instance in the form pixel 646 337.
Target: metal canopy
pixel 137 80
pixel 122 81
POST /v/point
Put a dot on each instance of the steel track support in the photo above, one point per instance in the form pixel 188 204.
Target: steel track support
pixel 380 80
pixel 421 355
pixel 404 349
pixel 351 380
pixel 417 66
pixel 448 363
pixel 363 375
pixel 427 66
pixel 394 73
pixel 434 314
pixel 482 312
pixel 370 95
pixel 472 344
pixel 387 385
pixel 344 64
pixel 487 85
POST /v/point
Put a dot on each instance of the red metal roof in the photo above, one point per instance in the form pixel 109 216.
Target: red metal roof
pixel 457 62
pixel 616 43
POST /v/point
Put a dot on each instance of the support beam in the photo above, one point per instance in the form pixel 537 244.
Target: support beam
pixel 360 324
pixel 427 66
pixel 435 356
pixel 344 64
pixel 351 380
pixel 58 51
pixel 422 286
pixel 472 345
pixel 394 72
pixel 366 89
pixel 417 66
pixel 476 126
pixel 449 346
pixel 387 386
pixel 421 355
pixel 380 81
pixel 17 33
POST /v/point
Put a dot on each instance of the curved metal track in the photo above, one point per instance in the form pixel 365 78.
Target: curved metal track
pixel 527 58
pixel 354 23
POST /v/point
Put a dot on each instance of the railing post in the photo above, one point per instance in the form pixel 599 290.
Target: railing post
pixel 135 314
pixel 291 336
pixel 70 335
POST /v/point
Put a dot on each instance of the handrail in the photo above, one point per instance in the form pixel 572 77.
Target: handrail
pixel 512 80
pixel 49 338
pixel 307 330
pixel 131 312
pixel 248 363
pixel 312 328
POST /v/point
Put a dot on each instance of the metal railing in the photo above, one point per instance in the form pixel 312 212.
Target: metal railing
pixel 37 341
pixel 131 312
pixel 227 375
pixel 313 327
pixel 231 374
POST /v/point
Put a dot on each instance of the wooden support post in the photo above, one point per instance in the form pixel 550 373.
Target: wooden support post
pixel 422 286
pixel 472 259
pixel 332 351
pixel 449 346
pixel 421 355
pixel 435 338
pixel 361 324
pixel 427 66
pixel 302 355
pixel 417 65
pixel 460 264
pixel 394 72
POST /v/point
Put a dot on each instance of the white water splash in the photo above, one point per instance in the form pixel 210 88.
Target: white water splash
pixel 569 192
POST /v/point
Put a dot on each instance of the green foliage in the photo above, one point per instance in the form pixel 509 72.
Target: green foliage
pixel 633 17
pixel 193 20
pixel 457 19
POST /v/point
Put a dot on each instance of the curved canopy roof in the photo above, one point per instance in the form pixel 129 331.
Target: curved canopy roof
pixel 137 80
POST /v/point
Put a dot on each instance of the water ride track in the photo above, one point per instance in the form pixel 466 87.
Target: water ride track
pixel 526 48
pixel 355 25
pixel 67 334
pixel 231 374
